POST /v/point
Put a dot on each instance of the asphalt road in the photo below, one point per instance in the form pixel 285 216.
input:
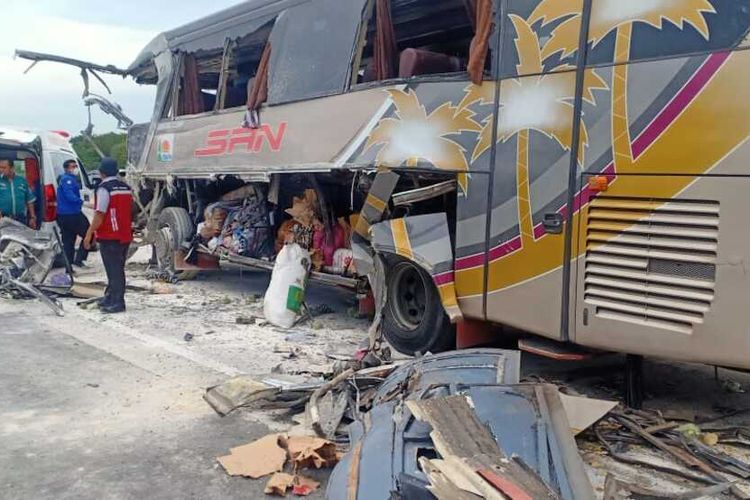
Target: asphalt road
pixel 86 412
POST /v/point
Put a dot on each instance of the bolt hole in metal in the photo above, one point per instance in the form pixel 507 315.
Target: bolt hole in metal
pixel 408 296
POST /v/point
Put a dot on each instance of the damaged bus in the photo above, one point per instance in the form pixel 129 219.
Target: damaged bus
pixel 575 169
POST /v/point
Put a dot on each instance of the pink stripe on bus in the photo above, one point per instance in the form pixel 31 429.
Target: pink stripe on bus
pixel 649 136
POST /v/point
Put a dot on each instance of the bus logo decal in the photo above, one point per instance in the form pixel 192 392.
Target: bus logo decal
pixel 243 140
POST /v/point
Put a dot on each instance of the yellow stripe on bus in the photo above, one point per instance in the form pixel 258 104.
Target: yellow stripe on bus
pixel 363 227
pixel 376 203
pixel 450 302
pixel 401 238
pixel 722 107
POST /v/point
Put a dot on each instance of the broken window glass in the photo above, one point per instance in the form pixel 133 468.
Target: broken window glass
pixel 313 44
pixel 411 38
pixel 240 66
pixel 199 83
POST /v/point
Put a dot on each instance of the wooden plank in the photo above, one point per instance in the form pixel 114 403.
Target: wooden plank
pixel 467 445
pixel 455 427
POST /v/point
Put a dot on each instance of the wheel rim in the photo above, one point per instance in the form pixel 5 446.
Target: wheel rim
pixel 408 296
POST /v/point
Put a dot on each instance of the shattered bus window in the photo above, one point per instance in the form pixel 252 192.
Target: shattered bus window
pixel 413 38
pixel 312 51
pixel 240 66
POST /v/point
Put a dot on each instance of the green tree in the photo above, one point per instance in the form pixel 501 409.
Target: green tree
pixel 112 144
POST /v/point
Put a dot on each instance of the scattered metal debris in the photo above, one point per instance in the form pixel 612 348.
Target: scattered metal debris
pixel 456 424
pixel 26 259
pixel 695 460
pixel 615 489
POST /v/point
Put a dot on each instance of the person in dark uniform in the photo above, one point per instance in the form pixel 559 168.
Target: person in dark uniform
pixel 112 227
pixel 70 218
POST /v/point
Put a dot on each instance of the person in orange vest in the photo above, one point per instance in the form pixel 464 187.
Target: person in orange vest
pixel 112 228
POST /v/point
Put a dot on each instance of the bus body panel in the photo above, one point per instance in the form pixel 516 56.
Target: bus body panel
pixel 677 288
pixel 383 126
pixel 663 121
pixel 662 249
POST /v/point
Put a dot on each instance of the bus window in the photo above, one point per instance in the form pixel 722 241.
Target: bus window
pixel 220 78
pixel 199 82
pixel 240 66
pixel 410 38
pixel 312 48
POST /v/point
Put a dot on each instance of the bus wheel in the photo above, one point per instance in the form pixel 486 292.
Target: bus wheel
pixel 414 319
pixel 175 227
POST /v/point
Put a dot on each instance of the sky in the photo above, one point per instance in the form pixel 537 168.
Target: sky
pixel 99 31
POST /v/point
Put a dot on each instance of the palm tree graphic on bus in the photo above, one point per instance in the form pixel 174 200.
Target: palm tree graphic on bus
pixel 540 102
pixel 414 135
pixel 619 16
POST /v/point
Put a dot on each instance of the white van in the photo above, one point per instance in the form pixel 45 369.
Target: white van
pixel 38 156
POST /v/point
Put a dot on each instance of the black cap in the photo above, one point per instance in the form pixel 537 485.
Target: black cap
pixel 108 167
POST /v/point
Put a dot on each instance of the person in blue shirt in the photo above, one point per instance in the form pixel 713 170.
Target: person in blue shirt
pixel 70 218
pixel 16 198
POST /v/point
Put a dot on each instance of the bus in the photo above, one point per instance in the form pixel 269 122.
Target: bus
pixel 574 169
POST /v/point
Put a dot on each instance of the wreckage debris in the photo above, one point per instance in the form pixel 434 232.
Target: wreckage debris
pixel 470 457
pixel 280 483
pixel 307 452
pixel 269 455
pixel 257 459
pixel 458 425
pixel 26 259
pixel 686 445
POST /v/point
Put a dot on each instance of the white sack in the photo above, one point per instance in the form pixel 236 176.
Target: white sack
pixel 287 286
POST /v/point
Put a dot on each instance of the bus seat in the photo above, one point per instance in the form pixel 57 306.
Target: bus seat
pixel 416 62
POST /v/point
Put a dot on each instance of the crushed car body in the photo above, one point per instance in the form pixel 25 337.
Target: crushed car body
pixel 26 258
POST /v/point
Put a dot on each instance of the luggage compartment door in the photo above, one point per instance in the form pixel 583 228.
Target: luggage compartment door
pixel 668 278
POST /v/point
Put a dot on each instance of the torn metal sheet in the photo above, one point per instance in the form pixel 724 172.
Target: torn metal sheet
pixel 376 202
pixel 424 193
pixel 110 108
pixel 331 410
pixel 425 240
pixel 380 295
pixel 470 366
pixel 236 392
pixel 37 57
pixel 372 212
pixel 26 258
pixel 526 421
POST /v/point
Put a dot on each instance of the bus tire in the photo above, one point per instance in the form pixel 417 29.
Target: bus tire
pixel 414 320
pixel 175 228
pixel 179 222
